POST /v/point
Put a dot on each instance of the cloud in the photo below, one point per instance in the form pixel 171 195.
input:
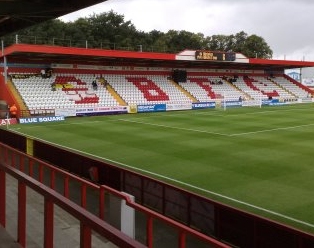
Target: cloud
pixel 284 24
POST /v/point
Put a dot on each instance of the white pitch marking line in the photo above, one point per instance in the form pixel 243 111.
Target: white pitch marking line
pixel 212 193
pixel 183 183
pixel 271 130
pixel 178 128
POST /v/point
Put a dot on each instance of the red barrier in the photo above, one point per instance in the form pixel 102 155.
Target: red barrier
pixel 26 168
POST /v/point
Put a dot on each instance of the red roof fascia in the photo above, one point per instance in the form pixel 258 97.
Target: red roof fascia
pixel 86 52
pixel 281 62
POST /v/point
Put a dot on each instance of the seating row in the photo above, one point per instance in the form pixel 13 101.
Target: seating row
pixel 77 90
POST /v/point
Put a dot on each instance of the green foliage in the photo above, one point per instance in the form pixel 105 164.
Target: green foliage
pixel 110 30
pixel 251 46
pixel 181 40
pixel 256 46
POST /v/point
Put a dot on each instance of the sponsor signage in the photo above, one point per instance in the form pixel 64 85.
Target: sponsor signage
pixel 41 119
pixel 231 104
pixel 270 102
pixel 179 106
pixel 101 110
pixel 10 121
pixel 151 108
pixel 133 109
pixel 202 105
pixel 65 112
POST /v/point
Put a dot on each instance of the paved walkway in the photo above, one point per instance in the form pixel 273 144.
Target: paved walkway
pixel 7 241
pixel 66 227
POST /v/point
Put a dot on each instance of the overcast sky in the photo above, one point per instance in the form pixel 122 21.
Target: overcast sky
pixel 286 25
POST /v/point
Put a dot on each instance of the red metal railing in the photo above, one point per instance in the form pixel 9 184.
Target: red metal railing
pixel 29 171
pixel 88 221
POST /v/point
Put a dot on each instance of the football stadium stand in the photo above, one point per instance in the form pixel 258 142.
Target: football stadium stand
pixel 69 90
pixel 71 86
pixel 121 81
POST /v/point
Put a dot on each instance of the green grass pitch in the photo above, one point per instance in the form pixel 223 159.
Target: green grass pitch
pixel 257 159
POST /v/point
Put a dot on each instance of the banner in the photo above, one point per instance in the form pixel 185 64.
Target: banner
pixel 41 119
pixel 151 108
pixel 231 104
pixel 65 112
pixel 202 105
pixel 101 110
pixel 179 106
pixel 271 102
pixel 10 121
pixel 133 109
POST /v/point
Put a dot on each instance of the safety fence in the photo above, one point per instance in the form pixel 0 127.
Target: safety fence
pixel 59 187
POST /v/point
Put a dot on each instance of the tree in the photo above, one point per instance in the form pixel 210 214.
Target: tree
pixel 42 33
pixel 78 32
pixel 252 46
pixel 219 43
pixel 113 28
pixel 256 47
pixel 239 41
pixel 181 40
pixel 111 31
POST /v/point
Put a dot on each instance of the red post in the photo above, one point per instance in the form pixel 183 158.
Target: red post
pixel 21 226
pixel 6 156
pixel 48 223
pixel 41 173
pixel 102 203
pixel 31 168
pixel 52 179
pixel 2 198
pixel 182 239
pixel 86 236
pixel 66 187
pixel 22 166
pixel 13 155
pixel 149 231
pixel 83 195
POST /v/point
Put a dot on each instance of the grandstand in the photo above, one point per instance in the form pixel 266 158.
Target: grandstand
pixel 130 82
pixel 78 91
pixel 75 90
pixel 126 84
